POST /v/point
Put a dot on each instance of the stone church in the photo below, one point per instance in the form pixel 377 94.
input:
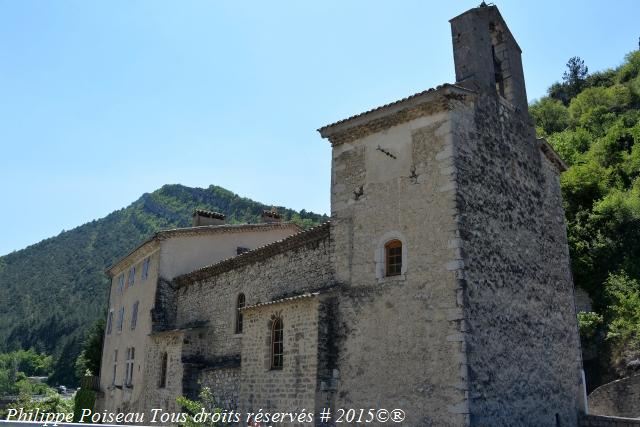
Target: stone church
pixel 441 285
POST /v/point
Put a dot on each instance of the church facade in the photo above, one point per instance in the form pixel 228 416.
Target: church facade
pixel 441 286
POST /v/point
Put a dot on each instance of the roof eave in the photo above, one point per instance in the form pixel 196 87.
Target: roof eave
pixel 412 101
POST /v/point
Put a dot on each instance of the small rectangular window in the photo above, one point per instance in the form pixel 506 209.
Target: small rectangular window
pixel 240 250
pixel 134 315
pixel 393 255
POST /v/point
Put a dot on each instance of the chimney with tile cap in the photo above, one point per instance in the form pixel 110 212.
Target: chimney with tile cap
pixel 271 215
pixel 203 217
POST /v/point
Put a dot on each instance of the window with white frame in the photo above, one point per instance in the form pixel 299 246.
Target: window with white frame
pixel 134 315
pixel 128 375
pixel 120 319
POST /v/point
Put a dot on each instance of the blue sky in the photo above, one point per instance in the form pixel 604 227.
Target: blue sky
pixel 105 100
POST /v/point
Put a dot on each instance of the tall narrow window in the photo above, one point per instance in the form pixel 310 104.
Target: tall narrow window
pixel 134 315
pixel 163 370
pixel 277 344
pixel 145 269
pixel 115 366
pixel 109 322
pixel 120 319
pixel 128 375
pixel 239 306
pixel 393 257
pixel 121 283
pixel 132 277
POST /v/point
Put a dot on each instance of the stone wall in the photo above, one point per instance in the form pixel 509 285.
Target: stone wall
pixel 520 322
pixel 619 398
pixel 224 383
pixel 292 388
pixel 212 354
pixel 153 396
pixel 397 338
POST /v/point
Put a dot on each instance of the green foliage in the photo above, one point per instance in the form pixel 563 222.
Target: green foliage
pixel 623 295
pixel 631 67
pixel 601 144
pixel 205 403
pixel 550 115
pixel 16 366
pixel 30 362
pixel 575 76
pixel 91 354
pixel 83 399
pixel 52 403
pixel 570 143
pixel 589 322
pixel 52 292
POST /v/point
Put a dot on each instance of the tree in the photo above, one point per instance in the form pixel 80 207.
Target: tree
pixel 91 354
pixel 549 115
pixel 575 76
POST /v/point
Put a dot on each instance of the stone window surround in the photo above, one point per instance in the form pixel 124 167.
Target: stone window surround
pixel 380 257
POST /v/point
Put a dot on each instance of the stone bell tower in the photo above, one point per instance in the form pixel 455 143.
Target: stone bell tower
pixel 486 55
pixel 477 326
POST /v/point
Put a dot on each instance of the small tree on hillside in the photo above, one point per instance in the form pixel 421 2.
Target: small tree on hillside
pixel 575 76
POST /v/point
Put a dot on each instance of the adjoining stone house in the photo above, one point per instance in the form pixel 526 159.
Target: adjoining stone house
pixel 441 285
pixel 137 283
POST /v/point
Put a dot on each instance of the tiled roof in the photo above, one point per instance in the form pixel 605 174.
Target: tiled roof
pixel 300 239
pixel 325 131
pixel 203 229
pixel 302 295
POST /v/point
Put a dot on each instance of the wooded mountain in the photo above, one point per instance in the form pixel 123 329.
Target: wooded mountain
pixel 53 291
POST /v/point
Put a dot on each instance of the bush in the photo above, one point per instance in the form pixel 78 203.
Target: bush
pixel 84 399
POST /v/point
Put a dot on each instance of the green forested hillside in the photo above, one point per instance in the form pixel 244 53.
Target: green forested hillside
pixel 53 291
pixel 593 121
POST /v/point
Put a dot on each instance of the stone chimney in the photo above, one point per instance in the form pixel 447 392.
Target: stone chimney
pixel 202 217
pixel 271 215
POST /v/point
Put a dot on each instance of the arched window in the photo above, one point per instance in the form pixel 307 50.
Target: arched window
pixel 393 258
pixel 239 305
pixel 277 344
